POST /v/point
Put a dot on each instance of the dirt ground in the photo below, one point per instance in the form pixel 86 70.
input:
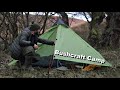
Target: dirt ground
pixel 112 56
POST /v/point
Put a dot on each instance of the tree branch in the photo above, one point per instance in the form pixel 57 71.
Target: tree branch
pixel 44 24
pixel 86 17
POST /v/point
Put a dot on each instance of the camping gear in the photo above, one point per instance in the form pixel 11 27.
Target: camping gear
pixel 69 47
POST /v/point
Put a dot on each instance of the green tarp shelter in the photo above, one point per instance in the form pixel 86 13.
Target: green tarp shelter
pixel 69 47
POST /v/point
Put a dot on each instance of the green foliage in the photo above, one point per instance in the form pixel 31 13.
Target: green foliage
pixel 13 62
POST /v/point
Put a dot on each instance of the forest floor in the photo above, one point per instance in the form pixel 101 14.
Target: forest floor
pixel 112 56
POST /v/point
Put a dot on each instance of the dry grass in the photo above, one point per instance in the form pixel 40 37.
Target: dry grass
pixel 112 56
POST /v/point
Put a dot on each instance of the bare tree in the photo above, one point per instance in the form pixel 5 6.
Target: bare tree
pixel 27 18
pixel 111 34
pixel 96 19
pixel 12 20
pixel 45 20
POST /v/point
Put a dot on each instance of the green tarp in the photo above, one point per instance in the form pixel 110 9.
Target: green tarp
pixel 70 47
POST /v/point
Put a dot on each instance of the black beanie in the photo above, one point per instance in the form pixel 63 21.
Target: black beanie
pixel 34 27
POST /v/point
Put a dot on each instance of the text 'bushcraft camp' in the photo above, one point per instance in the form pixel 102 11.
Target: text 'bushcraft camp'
pixel 82 57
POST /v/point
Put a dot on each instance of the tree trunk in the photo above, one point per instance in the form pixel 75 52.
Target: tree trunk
pixel 111 36
pixel 44 24
pixel 94 35
pixel 23 20
pixel 27 19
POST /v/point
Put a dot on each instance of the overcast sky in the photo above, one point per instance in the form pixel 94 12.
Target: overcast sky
pixel 71 14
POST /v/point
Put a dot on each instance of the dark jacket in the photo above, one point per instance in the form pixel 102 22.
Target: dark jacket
pixel 26 39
